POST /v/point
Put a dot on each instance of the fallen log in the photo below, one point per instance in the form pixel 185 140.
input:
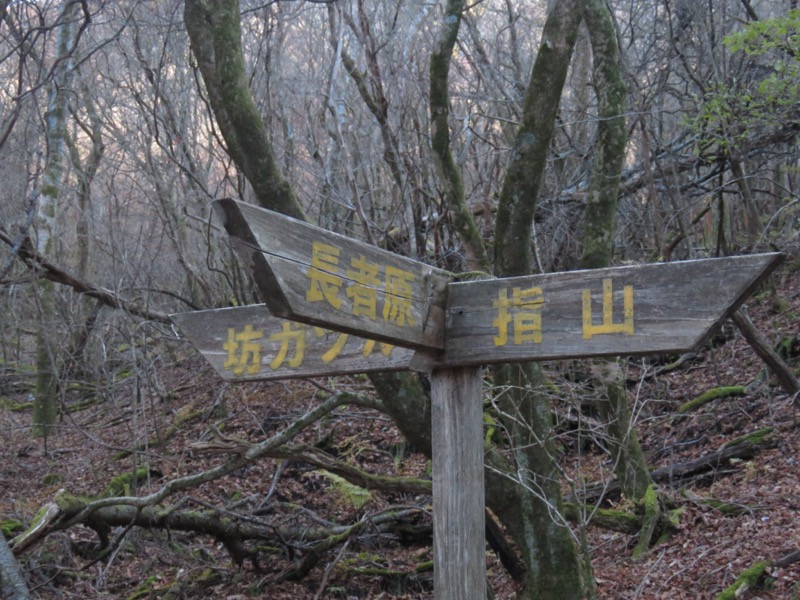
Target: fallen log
pixel 622 521
pixel 742 448
pixel 710 396
pixel 756 576
pixel 230 530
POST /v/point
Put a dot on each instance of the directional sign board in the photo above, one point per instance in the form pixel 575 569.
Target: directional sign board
pixel 249 344
pixel 655 308
pixel 311 275
pixel 319 278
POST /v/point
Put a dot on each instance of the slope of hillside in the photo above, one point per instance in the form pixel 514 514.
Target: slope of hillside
pixel 176 411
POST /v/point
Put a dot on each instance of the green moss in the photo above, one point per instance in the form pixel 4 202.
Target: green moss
pixel 40 516
pixel 10 526
pixel 492 435
pixel 351 494
pixel 674 516
pixel 51 479
pixel 69 503
pixel 748 579
pixel 758 437
pixel 8 404
pixel 788 347
pixel 144 589
pixel 80 386
pixel 710 396
pixel 607 518
pixel 121 485
pixel 424 567
pixel 652 513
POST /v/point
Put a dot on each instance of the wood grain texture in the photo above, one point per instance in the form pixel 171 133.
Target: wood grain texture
pixel 314 276
pixel 675 307
pixel 459 548
pixel 249 344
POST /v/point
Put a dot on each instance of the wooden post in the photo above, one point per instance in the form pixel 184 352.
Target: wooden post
pixel 459 555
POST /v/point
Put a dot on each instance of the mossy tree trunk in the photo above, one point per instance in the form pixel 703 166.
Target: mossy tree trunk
pixel 630 466
pixel 531 507
pixel 534 517
pixel 215 34
pixel 599 229
pixel 447 172
pixel 45 404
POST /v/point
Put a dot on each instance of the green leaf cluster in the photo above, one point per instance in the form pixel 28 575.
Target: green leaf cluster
pixel 767 94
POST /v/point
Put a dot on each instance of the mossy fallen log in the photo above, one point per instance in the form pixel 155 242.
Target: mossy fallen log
pixel 126 483
pixel 743 448
pixel 710 396
pixel 649 521
pixel 726 508
pixel 7 404
pixel 68 510
pixel 606 518
pixel 746 580
pixel 757 576
pixel 758 438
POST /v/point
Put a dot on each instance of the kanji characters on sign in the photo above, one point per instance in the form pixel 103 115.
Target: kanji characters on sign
pixel 373 290
pixel 286 347
pixel 518 319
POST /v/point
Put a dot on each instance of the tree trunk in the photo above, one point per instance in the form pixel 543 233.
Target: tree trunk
pixel 215 35
pixel 532 510
pixel 45 404
pixel 783 372
pixel 12 583
pixel 447 171
pixel 630 465
pixel 599 229
pixel 531 507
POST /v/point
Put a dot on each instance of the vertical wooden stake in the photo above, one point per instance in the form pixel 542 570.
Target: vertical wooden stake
pixel 458 496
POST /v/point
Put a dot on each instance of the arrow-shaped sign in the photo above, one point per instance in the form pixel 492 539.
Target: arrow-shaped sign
pixel 249 344
pixel 314 276
pixel 645 309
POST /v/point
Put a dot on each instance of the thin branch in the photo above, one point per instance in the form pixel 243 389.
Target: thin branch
pixel 57 274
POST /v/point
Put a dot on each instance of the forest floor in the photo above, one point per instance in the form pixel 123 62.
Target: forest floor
pixel 707 552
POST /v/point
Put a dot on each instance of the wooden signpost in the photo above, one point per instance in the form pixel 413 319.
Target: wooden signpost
pixel 452 327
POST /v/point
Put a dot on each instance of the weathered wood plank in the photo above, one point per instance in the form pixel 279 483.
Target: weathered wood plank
pixel 459 549
pixel 314 276
pixel 665 307
pixel 249 344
